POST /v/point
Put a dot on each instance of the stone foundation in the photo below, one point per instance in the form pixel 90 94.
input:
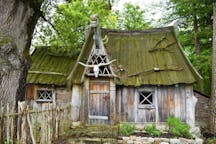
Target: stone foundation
pixel 150 140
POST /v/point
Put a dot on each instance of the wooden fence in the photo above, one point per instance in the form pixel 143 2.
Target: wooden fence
pixel 33 125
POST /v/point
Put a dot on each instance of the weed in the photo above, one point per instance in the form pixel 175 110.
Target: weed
pixel 127 129
pixel 178 128
pixel 152 130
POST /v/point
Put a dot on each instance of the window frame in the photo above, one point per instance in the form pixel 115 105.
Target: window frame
pixel 146 106
pixel 45 100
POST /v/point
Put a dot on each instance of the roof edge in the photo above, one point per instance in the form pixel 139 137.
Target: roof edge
pixel 195 73
pixel 71 75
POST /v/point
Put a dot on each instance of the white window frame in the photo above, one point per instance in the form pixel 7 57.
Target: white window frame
pixel 39 99
pixel 145 98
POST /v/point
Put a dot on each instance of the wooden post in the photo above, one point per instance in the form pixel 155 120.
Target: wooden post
pixel 49 124
pixel 8 124
pixel 18 124
pixel 85 101
pixel 43 126
pixel 30 126
pixel 57 123
pixel 213 94
pixel 112 102
pixel 24 125
pixel 1 124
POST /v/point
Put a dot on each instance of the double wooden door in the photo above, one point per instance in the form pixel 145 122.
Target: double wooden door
pixel 99 101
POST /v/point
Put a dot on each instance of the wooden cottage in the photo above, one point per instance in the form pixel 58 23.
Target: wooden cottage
pixel 137 76
pixel 47 77
pixel 120 75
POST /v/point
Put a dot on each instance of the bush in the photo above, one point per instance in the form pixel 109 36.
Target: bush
pixel 127 129
pixel 178 128
pixel 152 130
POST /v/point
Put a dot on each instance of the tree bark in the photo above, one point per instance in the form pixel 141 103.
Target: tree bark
pixel 213 95
pixel 17 21
pixel 196 37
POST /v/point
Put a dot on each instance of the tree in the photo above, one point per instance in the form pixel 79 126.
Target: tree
pixel 69 23
pixel 213 96
pixel 71 20
pixel 17 22
pixel 132 18
pixel 195 34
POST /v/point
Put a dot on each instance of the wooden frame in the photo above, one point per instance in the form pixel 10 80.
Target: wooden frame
pixel 145 102
pixel 44 98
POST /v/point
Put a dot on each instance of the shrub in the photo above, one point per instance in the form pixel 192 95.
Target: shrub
pixel 152 130
pixel 127 129
pixel 178 128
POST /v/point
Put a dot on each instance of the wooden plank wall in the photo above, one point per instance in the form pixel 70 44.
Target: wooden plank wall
pixel 168 100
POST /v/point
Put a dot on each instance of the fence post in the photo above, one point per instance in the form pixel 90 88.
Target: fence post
pixel 8 124
pixel 30 127
pixel 24 126
pixel 1 124
pixel 57 123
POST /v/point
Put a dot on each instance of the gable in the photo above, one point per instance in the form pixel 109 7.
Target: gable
pixel 152 57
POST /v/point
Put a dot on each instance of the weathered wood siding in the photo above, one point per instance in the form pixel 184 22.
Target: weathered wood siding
pixel 168 100
pixel 76 102
pixel 99 101
pixel 61 95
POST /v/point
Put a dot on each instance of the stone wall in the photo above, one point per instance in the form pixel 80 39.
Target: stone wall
pixel 151 140
pixel 202 114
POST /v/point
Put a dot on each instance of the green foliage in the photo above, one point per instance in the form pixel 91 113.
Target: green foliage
pixel 195 16
pixel 152 130
pixel 127 129
pixel 132 18
pixel 212 140
pixel 71 19
pixel 178 128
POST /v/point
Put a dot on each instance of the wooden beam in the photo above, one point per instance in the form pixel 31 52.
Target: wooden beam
pixel 51 73
pixel 98 117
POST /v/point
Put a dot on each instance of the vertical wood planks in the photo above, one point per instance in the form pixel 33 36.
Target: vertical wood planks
pixel 100 101
pixel 86 100
pixel 171 101
pixel 112 101
pixel 76 102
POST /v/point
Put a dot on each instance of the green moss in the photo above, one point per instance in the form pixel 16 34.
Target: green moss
pixel 44 62
pixel 5 40
pixel 138 53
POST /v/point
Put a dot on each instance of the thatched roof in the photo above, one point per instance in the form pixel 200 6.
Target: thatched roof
pixel 143 57
pixel 49 68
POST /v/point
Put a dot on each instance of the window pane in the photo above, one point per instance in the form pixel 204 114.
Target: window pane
pixel 45 95
pixel 146 98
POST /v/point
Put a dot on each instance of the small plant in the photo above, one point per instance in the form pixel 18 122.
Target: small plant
pixel 127 129
pixel 212 140
pixel 152 130
pixel 178 128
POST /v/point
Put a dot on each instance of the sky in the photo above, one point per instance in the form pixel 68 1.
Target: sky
pixel 152 11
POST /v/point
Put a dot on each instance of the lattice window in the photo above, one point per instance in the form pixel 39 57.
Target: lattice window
pixel 97 59
pixel 45 95
pixel 146 99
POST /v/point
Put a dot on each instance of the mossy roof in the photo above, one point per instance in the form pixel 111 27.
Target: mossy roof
pixel 149 57
pixel 49 68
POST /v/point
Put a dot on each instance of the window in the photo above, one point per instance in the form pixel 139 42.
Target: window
pixel 45 95
pixel 146 99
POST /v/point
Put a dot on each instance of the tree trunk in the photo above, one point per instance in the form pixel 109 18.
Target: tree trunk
pixel 17 22
pixel 196 37
pixel 213 96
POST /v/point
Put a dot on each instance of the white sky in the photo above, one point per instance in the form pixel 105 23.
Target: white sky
pixel 152 11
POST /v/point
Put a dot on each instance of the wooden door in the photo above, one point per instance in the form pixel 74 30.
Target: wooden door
pixel 99 101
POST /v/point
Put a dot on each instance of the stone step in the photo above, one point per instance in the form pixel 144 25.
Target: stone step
pixel 84 140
